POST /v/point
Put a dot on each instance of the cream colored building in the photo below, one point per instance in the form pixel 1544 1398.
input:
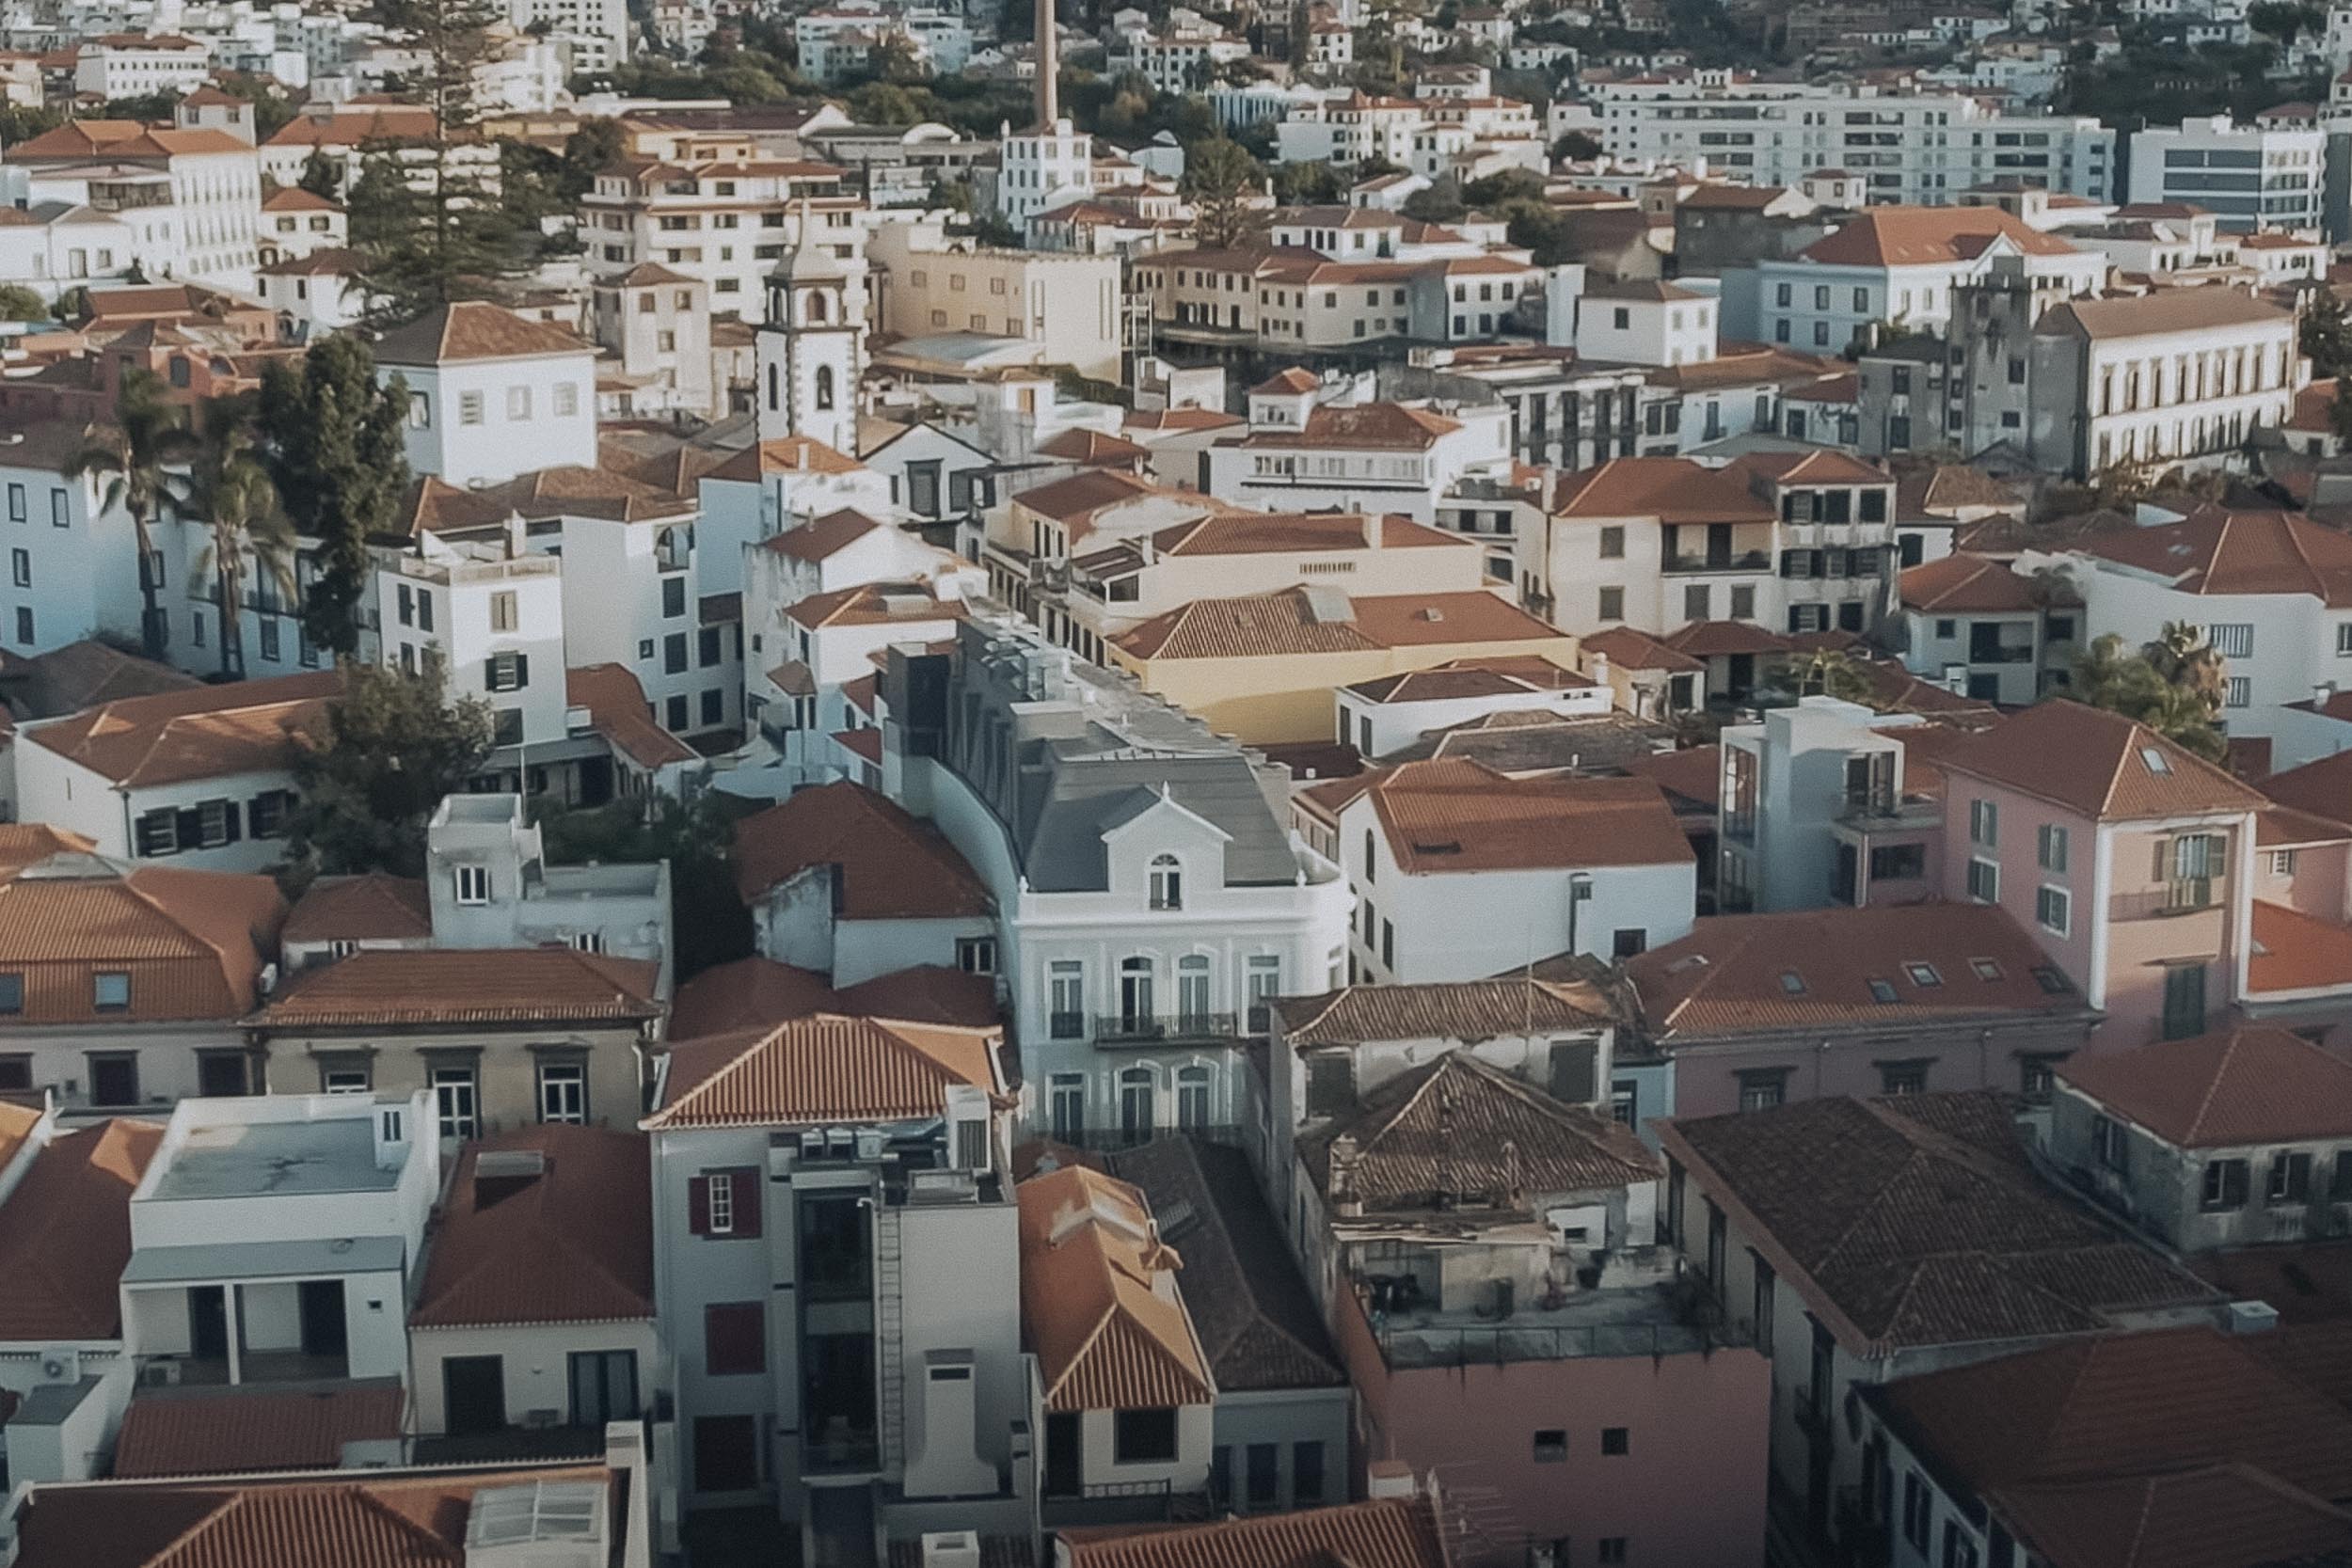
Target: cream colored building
pixel 1071 305
pixel 727 220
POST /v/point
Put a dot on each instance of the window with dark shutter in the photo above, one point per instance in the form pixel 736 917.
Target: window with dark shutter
pixel 698 1205
pixel 1573 1065
pixel 734 1338
pixel 745 1187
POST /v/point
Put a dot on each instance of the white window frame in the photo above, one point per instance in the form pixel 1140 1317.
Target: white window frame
pixel 719 1203
pixel 472 883
pixel 2064 906
pixel 564 1092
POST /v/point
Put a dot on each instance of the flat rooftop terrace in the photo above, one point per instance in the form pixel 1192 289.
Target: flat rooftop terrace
pixel 276 1158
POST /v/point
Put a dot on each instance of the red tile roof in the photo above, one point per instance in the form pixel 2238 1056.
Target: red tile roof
pixel 617 710
pixel 823 1069
pixel 891 864
pixel 2217 551
pixel 249 1430
pixel 1633 649
pixel 1671 489
pixel 2250 1083
pixel 375 907
pixel 2294 951
pixel 2322 788
pixel 193 943
pixel 1918 236
pixel 1814 969
pixel 823 537
pixel 1388 1532
pixel 1451 816
pixel 65 1234
pixel 571 1243
pixel 2217 1516
pixel 2099 763
pixel 1099 1306
pixel 1300 621
pixel 474 329
pixel 205 731
pixel 1963 584
pixel 455 987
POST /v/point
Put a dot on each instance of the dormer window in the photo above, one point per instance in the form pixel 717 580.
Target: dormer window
pixel 1167 882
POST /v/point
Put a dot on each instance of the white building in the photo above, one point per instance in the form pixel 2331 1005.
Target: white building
pixel 492 394
pixel 211 182
pixel 2250 177
pixel 1041 169
pixel 1311 448
pixel 1639 323
pixel 273 1236
pixel 74 561
pixel 1908 147
pixel 128 65
pixel 1150 897
pixel 811 349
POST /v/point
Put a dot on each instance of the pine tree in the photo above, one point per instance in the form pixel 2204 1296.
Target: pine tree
pixel 1219 177
pixel 376 763
pixel 335 446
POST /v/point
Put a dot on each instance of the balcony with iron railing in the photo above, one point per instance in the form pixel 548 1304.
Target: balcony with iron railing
pixel 1162 1028
pixel 1718 560
pixel 2179 897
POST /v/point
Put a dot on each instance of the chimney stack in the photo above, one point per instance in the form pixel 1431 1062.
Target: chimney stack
pixel 1048 69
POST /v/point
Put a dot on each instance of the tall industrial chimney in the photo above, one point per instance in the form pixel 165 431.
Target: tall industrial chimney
pixel 1048 69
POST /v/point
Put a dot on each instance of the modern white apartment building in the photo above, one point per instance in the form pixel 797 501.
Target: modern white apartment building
pixel 1915 148
pixel 2251 177
pixel 597 30
pixel 126 65
pixel 211 181
pixel 725 217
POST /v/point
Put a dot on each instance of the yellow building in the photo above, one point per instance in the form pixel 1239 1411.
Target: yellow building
pixel 1264 669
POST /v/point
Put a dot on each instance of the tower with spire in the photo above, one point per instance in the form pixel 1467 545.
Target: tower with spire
pixel 811 348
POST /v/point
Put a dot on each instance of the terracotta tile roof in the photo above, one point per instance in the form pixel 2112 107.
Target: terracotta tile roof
pixel 1961 584
pixel 386 1521
pixel 891 865
pixel 2166 310
pixel 1099 1304
pixel 2099 763
pixel 1473 677
pixel 249 1430
pixel 1294 381
pixel 823 537
pixel 926 993
pixel 1364 426
pixel 24 843
pixel 827 1067
pixel 1388 1532
pixel 86 673
pixel 747 993
pixel 18 1123
pixel 1695 773
pixel 1919 1221
pixel 389 986
pixel 2278 827
pixel 576 490
pixel 1460 1135
pixel 1947 488
pixel 2216 550
pixel 571 1243
pixel 1324 621
pixel 370 908
pixel 617 710
pixel 1633 649
pixel 1457 1010
pixel 1716 639
pixel 2219 1516
pixel 1075 499
pixel 1462 817
pixel 1819 465
pixel 1090 447
pixel 2122 1405
pixel 874 604
pixel 1918 236
pixel 1256 1322
pixel 865 743
pixel 2250 1083
pixel 2322 788
pixel 206 732
pixel 1733 973
pixel 1275 532
pixel 794 454
pixel 192 941
pixel 1671 489
pixel 294 199
pixel 474 329
pixel 2294 951
pixel 65 1234
pixel 399 122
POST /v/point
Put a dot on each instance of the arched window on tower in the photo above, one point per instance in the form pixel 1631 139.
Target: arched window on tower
pixel 818 306
pixel 824 387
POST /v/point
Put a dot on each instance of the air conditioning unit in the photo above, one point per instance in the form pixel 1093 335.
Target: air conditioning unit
pixel 61 1364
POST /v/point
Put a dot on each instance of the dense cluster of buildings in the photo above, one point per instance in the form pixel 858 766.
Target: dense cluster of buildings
pixel 1360 881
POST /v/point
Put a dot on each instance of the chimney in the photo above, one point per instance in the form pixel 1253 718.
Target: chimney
pixel 1374 527
pixel 1048 68
pixel 1388 1477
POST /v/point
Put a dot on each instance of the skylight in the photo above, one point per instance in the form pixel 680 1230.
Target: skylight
pixel 1792 982
pixel 1986 969
pixel 1923 973
pixel 2156 761
pixel 1882 990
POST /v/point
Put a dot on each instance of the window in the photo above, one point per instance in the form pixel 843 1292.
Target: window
pixel 2183 1001
pixel 1307 1480
pixel 503 616
pixel 1167 882
pixel 506 671
pixel 674 663
pixel 473 884
pixel 673 598
pixel 1261 984
pixel 1067 1100
pixel 2109 1144
pixel 1897 1078
pixel 1762 1302
pixel 713 706
pixel 1984 881
pixel 1760 1091
pixel 2225 1185
pixel 1616 1440
pixel 2232 640
pixel 2238 691
pixel 114 1077
pixel 1613 545
pixel 1918 1511
pixel 455 1102
pixel 1985 823
pixel 1143 1436
pixel 11 993
pixel 2290 1178
pixel 566 400
pixel 1898 862
pixel 470 409
pixel 2050 848
pixel 1066 1005
pixel 824 387
pixel 1612 604
pixel 564 1092
pixel 1612 1550
pixel 519 402
pixel 2050 907
pixel 25 626
pixel 2283 863
pixel 1959 1549
pixel 20 568
pixel 1551 1445
pixel 110 990
pixel 734 1338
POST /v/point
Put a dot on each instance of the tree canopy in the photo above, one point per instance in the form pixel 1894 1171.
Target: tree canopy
pixel 333 440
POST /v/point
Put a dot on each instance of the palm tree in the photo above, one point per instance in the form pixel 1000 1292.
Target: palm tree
pixel 237 501
pixel 2108 674
pixel 2181 656
pixel 142 459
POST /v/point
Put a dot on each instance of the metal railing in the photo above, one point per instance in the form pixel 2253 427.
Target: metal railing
pixel 2182 895
pixel 1745 560
pixel 1145 1029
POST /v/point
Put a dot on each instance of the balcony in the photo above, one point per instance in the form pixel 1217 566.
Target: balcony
pixel 2181 897
pixel 1162 1028
pixel 1744 561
